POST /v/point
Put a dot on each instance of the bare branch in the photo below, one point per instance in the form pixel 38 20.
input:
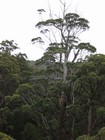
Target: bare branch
pixel 50 11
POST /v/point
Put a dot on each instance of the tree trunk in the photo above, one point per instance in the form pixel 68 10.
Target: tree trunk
pixel 61 134
pixel 73 121
pixel 89 118
pixel 60 57
pixel 65 70
pixel 62 105
pixel 72 129
pixel 63 101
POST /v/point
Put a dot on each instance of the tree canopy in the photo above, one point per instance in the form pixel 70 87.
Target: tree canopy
pixel 59 96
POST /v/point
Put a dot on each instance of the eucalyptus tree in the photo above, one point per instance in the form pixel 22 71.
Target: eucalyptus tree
pixel 63 32
pixel 14 69
pixel 63 35
pixel 9 69
pixel 91 77
pixel 8 46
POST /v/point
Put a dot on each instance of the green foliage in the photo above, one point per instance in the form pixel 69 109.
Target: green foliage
pixel 84 137
pixel 65 41
pixel 87 46
pixel 32 110
pixel 101 134
pixel 30 132
pixel 8 46
pixel 4 136
pixel 24 88
pixel 13 101
pixel 101 112
pixel 30 94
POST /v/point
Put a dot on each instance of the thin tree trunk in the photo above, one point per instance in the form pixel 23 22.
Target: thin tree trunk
pixel 62 105
pixel 60 57
pixel 73 121
pixel 65 70
pixel 89 119
pixel 62 113
pixel 72 129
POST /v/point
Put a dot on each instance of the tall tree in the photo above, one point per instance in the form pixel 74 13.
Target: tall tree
pixel 63 33
pixel 9 69
pixel 92 82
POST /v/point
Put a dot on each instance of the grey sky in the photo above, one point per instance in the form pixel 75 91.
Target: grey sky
pixel 18 19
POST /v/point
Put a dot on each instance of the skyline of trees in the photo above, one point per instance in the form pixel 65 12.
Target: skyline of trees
pixel 61 95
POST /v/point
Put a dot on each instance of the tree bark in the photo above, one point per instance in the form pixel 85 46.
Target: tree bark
pixel 89 118
pixel 62 114
pixel 72 129
pixel 65 70
pixel 62 105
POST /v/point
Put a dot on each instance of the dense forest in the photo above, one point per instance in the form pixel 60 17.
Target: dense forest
pixel 59 96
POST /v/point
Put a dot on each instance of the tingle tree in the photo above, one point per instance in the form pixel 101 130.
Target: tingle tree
pixel 63 32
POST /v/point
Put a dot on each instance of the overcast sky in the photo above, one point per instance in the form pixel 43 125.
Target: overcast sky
pixel 18 19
